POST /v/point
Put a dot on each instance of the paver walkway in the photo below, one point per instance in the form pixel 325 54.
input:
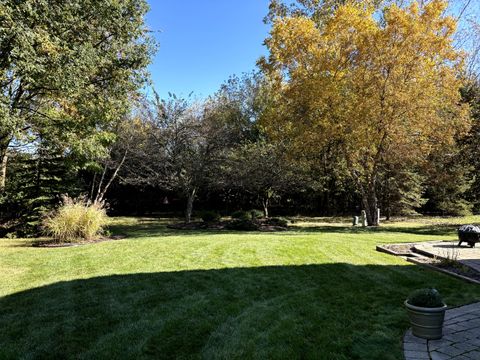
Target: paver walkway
pixel 447 249
pixel 461 338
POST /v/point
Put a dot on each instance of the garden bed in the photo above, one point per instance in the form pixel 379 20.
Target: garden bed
pixel 260 225
pixel 54 244
pixel 458 270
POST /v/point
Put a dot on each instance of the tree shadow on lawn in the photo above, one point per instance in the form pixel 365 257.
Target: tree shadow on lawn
pixel 329 311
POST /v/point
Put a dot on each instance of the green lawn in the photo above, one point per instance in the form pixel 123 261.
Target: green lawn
pixel 319 291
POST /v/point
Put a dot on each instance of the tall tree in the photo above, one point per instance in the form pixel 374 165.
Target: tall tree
pixel 317 10
pixel 130 134
pixel 386 89
pixel 67 66
pixel 183 149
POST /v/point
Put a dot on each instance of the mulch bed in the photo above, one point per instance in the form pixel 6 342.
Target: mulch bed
pixel 399 249
pixel 198 225
pixel 460 269
pixel 222 225
pixel 53 244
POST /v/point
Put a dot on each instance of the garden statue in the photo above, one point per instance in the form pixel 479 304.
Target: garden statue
pixel 363 218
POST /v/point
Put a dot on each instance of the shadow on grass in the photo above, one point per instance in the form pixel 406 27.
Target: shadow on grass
pixel 330 311
pixel 453 245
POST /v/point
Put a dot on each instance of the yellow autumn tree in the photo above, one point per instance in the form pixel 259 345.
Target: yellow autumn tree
pixel 384 89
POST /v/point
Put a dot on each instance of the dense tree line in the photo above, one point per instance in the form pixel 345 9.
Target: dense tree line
pixel 356 107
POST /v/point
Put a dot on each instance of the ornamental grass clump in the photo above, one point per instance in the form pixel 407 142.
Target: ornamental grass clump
pixel 76 220
pixel 426 298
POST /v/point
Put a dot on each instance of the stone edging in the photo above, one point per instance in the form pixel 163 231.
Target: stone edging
pixel 436 268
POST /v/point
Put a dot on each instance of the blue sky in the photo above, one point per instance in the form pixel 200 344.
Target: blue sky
pixel 203 42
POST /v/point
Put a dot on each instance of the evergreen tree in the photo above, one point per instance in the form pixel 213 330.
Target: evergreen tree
pixel 401 191
pixel 36 184
pixel 449 180
pixel 471 143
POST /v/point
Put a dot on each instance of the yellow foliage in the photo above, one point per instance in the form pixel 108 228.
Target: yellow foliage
pixel 383 89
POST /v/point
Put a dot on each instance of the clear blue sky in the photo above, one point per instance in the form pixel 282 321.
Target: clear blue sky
pixel 203 42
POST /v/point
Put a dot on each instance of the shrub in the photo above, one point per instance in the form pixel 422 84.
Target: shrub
pixel 256 214
pixel 277 222
pixel 243 225
pixel 210 216
pixel 428 298
pixel 241 215
pixel 75 220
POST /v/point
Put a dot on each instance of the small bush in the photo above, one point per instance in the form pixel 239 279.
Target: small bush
pixel 241 215
pixel 75 220
pixel 277 222
pixel 210 216
pixel 256 214
pixel 243 225
pixel 428 298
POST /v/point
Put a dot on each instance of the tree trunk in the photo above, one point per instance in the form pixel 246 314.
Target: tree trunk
pixel 370 204
pixel 3 168
pixel 100 184
pixel 189 209
pixel 101 192
pixel 265 204
pixel 92 189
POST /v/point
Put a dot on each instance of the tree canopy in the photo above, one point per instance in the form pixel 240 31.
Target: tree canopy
pixel 67 69
pixel 386 89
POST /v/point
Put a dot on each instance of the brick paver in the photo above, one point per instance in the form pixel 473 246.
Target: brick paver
pixel 461 338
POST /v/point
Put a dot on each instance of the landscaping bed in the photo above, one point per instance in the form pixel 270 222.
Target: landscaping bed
pixel 267 225
pixel 54 244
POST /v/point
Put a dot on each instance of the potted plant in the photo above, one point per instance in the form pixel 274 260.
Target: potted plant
pixel 426 311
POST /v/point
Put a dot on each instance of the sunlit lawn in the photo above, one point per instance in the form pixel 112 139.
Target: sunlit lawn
pixel 319 291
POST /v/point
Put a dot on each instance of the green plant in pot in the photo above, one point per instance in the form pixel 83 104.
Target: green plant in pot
pixel 426 311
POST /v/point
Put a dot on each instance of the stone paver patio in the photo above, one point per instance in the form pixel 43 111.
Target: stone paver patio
pixel 464 254
pixel 461 338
